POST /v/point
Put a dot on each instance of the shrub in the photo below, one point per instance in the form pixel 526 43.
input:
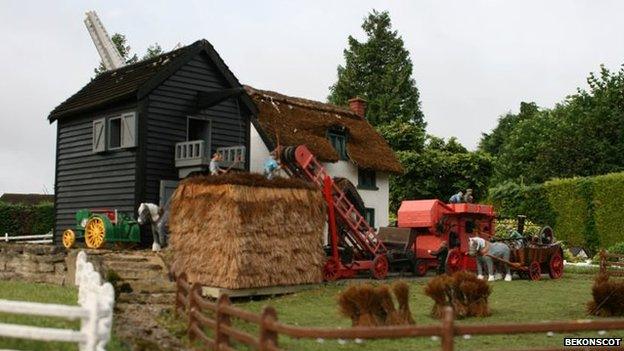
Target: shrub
pixel 608 201
pixel 617 248
pixel 25 220
pixel 511 199
pixel 504 227
pixel 570 208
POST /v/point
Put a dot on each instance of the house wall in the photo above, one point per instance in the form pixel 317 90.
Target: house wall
pixel 377 199
pixel 168 107
pixel 85 179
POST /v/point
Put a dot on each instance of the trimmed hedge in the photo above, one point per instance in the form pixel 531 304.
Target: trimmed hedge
pixel 584 212
pixel 26 220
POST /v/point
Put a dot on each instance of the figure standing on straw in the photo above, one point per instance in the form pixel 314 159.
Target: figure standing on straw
pixel 271 165
pixel 214 164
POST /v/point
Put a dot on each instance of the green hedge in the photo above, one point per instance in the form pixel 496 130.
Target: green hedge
pixel 583 211
pixel 24 220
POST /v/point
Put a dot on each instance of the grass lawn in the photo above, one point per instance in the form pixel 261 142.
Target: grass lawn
pixel 46 293
pixel 516 301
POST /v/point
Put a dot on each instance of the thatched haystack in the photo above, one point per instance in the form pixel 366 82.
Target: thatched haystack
pixel 463 291
pixel 608 297
pixel 243 231
pixel 368 306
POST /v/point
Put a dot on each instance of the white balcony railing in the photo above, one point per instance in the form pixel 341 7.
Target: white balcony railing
pixel 191 154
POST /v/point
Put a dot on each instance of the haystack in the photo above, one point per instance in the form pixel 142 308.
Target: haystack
pixel 608 297
pixel 368 306
pixel 463 291
pixel 241 230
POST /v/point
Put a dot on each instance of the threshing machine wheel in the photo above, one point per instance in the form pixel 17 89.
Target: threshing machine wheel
pixel 330 270
pixel 420 268
pixel 555 266
pixel 535 271
pixel 453 261
pixel 379 270
pixel 69 238
pixel 95 233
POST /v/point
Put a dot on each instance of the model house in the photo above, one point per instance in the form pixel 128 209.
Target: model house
pixel 131 134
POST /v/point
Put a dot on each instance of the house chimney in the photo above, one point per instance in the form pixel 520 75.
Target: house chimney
pixel 358 106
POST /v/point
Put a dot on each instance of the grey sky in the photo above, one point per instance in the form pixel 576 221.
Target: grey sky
pixel 473 60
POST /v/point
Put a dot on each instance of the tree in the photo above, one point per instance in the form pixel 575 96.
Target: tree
pixel 152 51
pixel 124 50
pixel 380 71
pixel 581 136
pixel 441 169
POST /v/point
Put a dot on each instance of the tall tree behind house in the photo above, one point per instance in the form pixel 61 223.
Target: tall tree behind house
pixel 124 49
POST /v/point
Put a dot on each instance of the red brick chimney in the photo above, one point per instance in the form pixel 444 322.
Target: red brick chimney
pixel 358 105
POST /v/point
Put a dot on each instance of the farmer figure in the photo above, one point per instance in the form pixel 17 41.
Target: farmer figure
pixel 271 166
pixel 468 198
pixel 214 164
pixel 457 198
pixel 441 254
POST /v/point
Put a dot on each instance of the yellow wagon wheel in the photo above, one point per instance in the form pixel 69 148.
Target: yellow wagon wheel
pixel 94 233
pixel 69 238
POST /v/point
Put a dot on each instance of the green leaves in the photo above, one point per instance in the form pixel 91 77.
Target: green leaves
pixel 379 70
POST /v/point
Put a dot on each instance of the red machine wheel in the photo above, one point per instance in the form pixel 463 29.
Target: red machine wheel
pixel 421 268
pixel 379 270
pixel 535 271
pixel 330 271
pixel 453 261
pixel 555 266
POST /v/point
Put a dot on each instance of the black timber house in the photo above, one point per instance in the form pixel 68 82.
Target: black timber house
pixel 132 131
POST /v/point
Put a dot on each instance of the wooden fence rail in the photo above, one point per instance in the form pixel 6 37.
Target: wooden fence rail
pixel 611 264
pixel 223 334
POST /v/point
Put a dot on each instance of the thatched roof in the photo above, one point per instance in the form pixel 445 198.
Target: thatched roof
pixel 297 121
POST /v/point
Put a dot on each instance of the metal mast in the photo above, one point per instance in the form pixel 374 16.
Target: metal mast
pixel 104 45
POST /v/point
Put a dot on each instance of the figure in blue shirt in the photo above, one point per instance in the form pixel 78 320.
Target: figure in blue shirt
pixel 457 198
pixel 271 166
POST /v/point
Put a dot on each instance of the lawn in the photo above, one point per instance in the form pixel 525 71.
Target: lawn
pixel 516 301
pixel 46 293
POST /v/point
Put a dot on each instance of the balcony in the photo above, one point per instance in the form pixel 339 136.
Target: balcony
pixel 194 156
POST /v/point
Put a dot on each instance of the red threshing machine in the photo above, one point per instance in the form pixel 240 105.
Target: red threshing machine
pixel 424 224
pixel 366 251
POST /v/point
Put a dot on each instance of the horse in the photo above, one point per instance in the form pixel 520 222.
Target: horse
pixel 158 218
pixel 483 249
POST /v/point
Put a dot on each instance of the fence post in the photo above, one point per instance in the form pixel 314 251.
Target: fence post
pixel 192 307
pixel 268 336
pixel 448 329
pixel 603 262
pixel 222 319
pixel 178 304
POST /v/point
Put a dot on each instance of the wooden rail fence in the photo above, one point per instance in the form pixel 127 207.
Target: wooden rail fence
pixel 611 264
pixel 222 333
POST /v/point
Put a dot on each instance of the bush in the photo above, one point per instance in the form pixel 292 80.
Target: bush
pixel 608 201
pixel 26 220
pixel 570 209
pixel 504 227
pixel 617 249
pixel 583 212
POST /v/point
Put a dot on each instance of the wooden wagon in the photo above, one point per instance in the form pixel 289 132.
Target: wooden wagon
pixel 531 258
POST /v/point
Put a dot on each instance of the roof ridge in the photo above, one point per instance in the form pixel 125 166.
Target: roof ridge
pixel 302 102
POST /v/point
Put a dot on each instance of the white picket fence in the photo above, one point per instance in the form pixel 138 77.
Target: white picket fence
pixel 31 239
pixel 95 312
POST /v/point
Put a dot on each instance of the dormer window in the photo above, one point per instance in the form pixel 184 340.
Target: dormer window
pixel 338 139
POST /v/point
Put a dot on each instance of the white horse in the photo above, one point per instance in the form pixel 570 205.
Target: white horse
pixel 151 213
pixel 483 249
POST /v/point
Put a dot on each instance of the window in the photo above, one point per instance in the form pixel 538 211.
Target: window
pixel 114 133
pixel 367 179
pixel 369 215
pixel 339 142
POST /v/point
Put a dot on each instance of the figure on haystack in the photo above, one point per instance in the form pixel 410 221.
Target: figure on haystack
pixel 484 250
pixel 158 218
pixel 271 165
pixel 214 167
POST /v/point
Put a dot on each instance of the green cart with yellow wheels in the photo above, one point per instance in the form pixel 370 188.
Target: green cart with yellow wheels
pixel 99 226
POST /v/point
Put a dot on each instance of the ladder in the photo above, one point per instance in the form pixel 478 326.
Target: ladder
pixel 300 162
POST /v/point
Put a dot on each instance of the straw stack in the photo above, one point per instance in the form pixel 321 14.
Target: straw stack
pixel 243 231
pixel 463 291
pixel 608 297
